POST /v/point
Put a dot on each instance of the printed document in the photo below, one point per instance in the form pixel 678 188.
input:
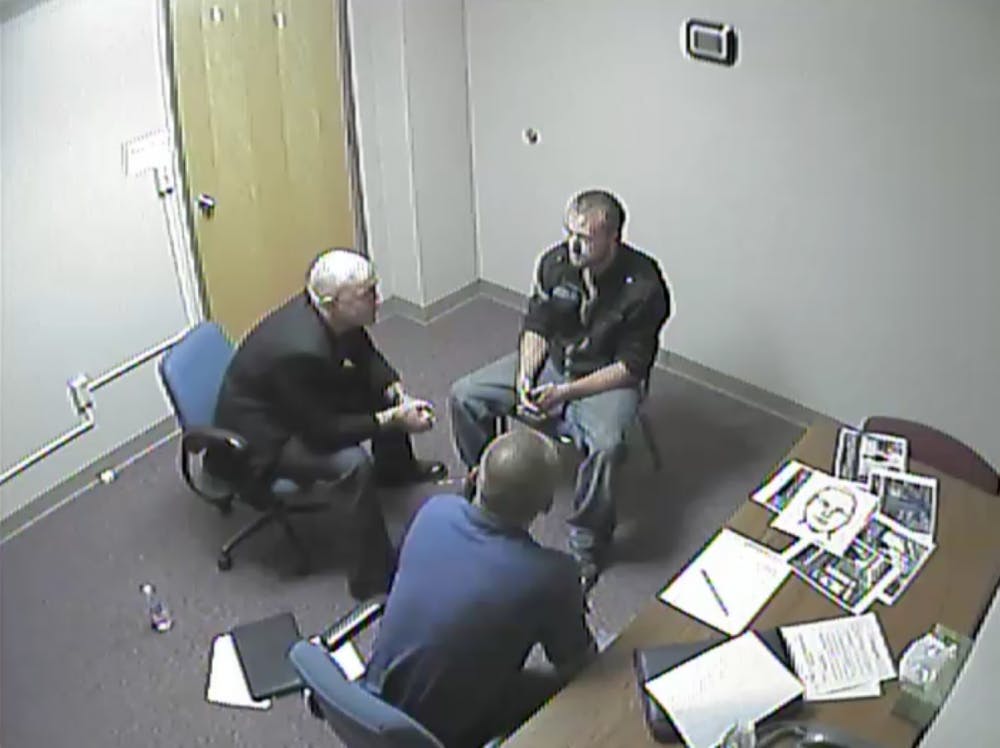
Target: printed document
pixel 838 654
pixel 728 583
pixel 737 681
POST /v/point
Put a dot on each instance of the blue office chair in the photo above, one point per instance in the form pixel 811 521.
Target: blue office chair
pixel 192 373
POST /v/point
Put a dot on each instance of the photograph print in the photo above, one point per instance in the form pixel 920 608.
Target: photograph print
pixel 853 581
pixel 781 489
pixel 880 452
pixel 910 500
pixel 845 462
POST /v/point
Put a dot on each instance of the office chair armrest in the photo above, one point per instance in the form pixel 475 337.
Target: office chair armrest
pixel 233 450
pixel 353 623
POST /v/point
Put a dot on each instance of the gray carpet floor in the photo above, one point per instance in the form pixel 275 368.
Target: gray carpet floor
pixel 80 667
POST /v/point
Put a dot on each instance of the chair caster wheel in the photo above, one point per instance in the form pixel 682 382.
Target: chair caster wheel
pixel 225 562
pixel 225 509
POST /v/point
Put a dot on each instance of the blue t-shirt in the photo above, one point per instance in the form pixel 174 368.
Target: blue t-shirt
pixel 471 597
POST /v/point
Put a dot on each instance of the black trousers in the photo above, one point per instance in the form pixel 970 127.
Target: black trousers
pixel 348 477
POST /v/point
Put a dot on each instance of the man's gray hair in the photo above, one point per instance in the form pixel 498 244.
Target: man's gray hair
pixel 335 269
pixel 604 204
pixel 518 474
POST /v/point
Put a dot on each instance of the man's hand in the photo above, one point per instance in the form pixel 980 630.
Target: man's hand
pixel 526 408
pixel 395 394
pixel 548 397
pixel 412 416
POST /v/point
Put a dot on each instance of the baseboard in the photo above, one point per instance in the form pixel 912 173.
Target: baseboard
pixel 762 399
pixel 116 460
pixel 395 306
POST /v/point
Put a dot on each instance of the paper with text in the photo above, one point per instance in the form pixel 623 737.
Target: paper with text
pixel 737 681
pixel 839 653
pixel 728 583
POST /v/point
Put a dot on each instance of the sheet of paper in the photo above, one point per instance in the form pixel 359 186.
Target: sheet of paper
pixel 349 661
pixel 839 653
pixel 728 583
pixel 227 684
pixel 827 511
pixel 737 681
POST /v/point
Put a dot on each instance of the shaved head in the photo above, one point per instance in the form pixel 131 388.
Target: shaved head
pixel 518 474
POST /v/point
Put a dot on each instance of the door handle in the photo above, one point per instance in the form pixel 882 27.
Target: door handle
pixel 206 204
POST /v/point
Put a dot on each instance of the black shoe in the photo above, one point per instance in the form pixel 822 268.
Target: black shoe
pixel 420 471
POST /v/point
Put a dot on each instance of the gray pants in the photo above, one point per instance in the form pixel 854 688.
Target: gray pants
pixel 597 425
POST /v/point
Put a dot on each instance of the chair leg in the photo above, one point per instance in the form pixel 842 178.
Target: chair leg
pixel 225 561
pixel 654 449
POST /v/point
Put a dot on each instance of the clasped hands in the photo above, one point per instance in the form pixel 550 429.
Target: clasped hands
pixel 536 404
pixel 409 414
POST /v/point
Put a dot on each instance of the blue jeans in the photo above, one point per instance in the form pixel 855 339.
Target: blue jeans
pixel 597 424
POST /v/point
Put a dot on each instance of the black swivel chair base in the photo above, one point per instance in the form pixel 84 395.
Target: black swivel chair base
pixel 280 514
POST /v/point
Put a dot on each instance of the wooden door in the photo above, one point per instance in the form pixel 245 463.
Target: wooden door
pixel 261 113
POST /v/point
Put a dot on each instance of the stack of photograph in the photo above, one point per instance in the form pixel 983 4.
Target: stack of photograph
pixel 863 533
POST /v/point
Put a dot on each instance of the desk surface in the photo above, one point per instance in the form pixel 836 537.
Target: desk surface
pixel 600 707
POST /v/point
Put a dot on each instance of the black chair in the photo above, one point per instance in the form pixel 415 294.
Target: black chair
pixel 192 373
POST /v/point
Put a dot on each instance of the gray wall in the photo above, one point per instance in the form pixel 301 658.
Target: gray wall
pixel 88 274
pixel 827 209
pixel 410 90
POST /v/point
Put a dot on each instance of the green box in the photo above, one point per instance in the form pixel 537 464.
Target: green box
pixel 919 703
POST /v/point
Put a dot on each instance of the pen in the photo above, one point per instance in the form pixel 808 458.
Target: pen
pixel 715 592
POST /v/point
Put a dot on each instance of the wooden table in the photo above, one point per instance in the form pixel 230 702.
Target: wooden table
pixel 600 708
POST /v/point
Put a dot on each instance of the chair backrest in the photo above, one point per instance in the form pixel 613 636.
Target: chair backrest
pixel 359 718
pixel 192 373
pixel 939 450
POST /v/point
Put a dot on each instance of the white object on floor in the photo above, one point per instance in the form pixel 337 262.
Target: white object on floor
pixel 227 683
pixel 734 682
pixel 728 583
pixel 838 654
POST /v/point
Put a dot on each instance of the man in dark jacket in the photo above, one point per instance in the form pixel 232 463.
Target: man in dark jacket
pixel 307 386
pixel 588 341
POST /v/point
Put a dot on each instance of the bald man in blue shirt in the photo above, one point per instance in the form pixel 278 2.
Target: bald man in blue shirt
pixel 473 594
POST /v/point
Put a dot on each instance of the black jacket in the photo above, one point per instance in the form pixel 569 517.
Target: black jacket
pixel 619 321
pixel 293 376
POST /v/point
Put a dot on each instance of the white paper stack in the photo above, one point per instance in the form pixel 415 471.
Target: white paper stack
pixel 840 658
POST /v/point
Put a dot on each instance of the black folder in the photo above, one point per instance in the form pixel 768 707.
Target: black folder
pixel 649 663
pixel 263 647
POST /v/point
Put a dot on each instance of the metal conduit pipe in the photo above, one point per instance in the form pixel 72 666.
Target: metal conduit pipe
pixel 81 389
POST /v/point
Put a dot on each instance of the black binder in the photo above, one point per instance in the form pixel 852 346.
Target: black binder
pixel 649 663
pixel 263 647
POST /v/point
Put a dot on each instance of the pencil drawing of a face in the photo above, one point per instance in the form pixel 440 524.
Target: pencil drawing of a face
pixel 828 510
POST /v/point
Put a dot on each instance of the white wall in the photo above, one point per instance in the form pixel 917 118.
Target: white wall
pixel 88 275
pixel 410 90
pixel 827 210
